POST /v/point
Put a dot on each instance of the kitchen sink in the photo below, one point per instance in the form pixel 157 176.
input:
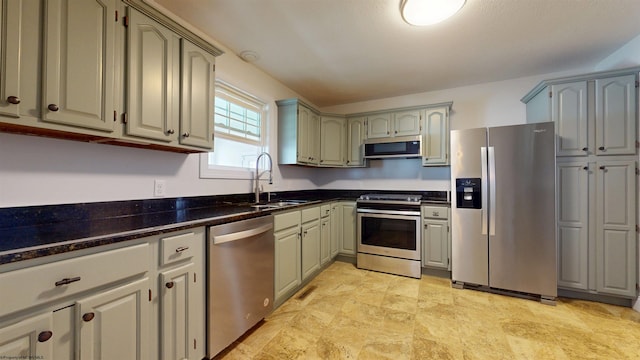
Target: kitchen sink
pixel 278 204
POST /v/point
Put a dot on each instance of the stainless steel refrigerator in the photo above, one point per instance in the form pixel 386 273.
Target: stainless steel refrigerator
pixel 503 208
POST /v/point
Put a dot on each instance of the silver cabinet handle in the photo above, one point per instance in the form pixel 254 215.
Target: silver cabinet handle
pixel 67 281
pixel 182 248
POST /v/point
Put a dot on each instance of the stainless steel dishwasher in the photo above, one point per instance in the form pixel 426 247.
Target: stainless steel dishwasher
pixel 240 266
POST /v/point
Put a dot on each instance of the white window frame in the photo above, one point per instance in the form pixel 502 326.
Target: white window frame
pixel 230 92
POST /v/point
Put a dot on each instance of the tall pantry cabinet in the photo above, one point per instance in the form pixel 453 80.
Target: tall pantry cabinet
pixel 595 119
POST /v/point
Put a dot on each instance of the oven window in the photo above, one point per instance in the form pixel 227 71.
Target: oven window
pixel 388 232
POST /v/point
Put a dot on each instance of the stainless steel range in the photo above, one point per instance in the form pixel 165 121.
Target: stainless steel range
pixel 388 233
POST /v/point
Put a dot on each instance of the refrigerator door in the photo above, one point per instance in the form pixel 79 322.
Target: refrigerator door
pixel 522 240
pixel 469 247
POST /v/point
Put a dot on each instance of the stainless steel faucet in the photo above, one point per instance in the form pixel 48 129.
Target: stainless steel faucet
pixel 257 178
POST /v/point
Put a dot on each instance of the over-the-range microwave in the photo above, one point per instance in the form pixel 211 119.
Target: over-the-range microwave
pixel 395 147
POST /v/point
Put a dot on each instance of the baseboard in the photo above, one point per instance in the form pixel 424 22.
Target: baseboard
pixel 613 300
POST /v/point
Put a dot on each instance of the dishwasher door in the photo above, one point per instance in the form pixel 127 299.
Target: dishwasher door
pixel 240 266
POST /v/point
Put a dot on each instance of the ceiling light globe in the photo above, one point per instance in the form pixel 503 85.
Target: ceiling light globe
pixel 429 12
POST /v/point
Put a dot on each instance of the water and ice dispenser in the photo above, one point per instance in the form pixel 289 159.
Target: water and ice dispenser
pixel 468 193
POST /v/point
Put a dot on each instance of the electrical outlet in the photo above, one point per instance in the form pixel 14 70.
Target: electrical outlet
pixel 159 188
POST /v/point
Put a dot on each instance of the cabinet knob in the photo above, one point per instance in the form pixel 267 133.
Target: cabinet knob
pixel 88 316
pixel 169 285
pixel 13 100
pixel 321 161
pixel 171 131
pixel 387 133
pixel 181 249
pixel 185 134
pixel 601 148
pixel 53 107
pixel 426 226
pixel 585 168
pixel 585 149
pixel 395 132
pixel 602 168
pixel 45 336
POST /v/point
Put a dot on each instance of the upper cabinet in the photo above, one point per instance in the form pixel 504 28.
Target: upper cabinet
pixel 78 78
pixel 333 141
pixel 80 70
pixel 356 135
pixel 595 114
pixel 407 123
pixel 379 126
pixel 435 137
pixel 298 133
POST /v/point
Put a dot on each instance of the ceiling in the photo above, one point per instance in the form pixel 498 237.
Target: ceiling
pixel 342 51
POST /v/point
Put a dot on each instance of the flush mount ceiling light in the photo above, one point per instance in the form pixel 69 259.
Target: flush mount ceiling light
pixel 428 12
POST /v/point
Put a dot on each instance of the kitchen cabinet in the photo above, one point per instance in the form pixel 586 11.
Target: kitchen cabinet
pixel 20 42
pixel 298 130
pixel 31 338
pixel 435 137
pixel 406 123
pixel 356 134
pixel 348 233
pixel 596 226
pixel 79 58
pixel 197 92
pixel 379 125
pixel 436 237
pixel 310 241
pixel 336 229
pixel 333 141
pixel 114 324
pixel 288 264
pixel 595 114
pixel 325 234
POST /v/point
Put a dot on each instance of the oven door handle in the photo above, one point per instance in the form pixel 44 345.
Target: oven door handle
pixel 389 212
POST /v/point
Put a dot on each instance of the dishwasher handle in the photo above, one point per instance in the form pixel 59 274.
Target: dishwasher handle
pixel 220 239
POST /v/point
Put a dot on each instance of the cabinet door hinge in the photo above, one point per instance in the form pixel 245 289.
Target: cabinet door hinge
pixel 637 83
pixel 447 228
pixel 637 229
pixel 214 67
pixel 448 261
pixel 149 295
pixel 115 116
pixel 550 93
pixel 125 21
pixel 637 144
pixel 637 171
pixel 194 344
pixel 116 15
pixel 194 277
pixel 124 118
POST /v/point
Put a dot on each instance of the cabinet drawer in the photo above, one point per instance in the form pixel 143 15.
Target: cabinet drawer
pixel 325 210
pixel 177 247
pixel 37 285
pixel 286 220
pixel 310 214
pixel 435 212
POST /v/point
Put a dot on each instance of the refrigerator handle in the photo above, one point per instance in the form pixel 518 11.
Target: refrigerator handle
pixel 492 190
pixel 485 193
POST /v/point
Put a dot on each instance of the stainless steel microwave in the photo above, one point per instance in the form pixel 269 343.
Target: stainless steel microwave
pixel 395 147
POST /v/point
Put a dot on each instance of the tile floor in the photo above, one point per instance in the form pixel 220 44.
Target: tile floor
pixel 359 314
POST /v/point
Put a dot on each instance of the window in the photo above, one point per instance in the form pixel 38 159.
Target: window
pixel 240 134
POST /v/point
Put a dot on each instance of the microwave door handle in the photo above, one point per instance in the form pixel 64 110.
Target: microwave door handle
pixel 483 180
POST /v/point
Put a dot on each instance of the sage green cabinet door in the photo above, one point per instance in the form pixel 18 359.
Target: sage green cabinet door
pixel 435 244
pixel 152 79
pixel 569 111
pixel 333 141
pixel 287 262
pixel 310 248
pixel 114 324
pixel 379 126
pixel 336 229
pixel 616 116
pixel 573 223
pixel 20 340
pixel 325 240
pixel 79 61
pixel 406 123
pixel 178 305
pixel 435 142
pixel 308 142
pixel 356 134
pixel 348 238
pixel 20 41
pixel 197 96
pixel 616 227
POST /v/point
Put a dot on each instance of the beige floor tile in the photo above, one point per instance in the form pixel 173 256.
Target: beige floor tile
pixel 358 314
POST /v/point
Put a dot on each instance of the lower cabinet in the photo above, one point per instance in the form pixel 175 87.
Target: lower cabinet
pixel 325 239
pixel 597 226
pixel 310 241
pixel 288 264
pixel 141 301
pixel 436 237
pixel 336 229
pixel 348 233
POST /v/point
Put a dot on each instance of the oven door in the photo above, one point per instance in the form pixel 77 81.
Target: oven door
pixel 389 233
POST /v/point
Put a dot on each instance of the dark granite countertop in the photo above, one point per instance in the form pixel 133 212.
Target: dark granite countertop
pixel 32 232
